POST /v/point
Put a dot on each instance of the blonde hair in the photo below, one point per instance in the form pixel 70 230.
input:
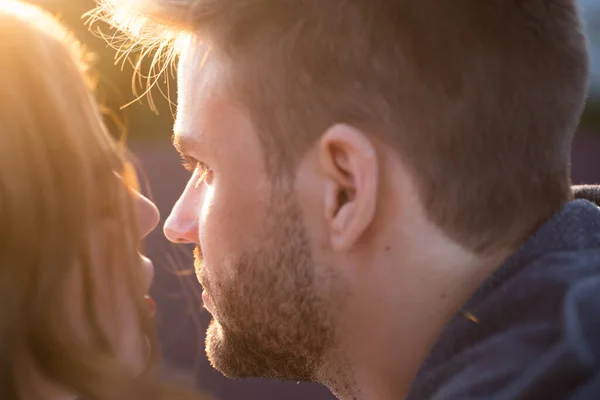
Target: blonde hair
pixel 59 201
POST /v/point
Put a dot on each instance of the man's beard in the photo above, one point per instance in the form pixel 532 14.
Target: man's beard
pixel 275 318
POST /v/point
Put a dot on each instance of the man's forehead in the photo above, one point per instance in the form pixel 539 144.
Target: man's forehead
pixel 195 84
pixel 198 69
pixel 193 54
pixel 198 78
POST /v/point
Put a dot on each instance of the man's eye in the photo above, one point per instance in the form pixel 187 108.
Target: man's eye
pixel 195 166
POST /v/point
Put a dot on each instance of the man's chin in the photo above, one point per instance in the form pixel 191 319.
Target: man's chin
pixel 242 357
pixel 221 354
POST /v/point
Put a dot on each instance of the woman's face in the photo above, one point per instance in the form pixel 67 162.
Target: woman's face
pixel 126 328
pixel 114 300
pixel 148 217
pixel 117 300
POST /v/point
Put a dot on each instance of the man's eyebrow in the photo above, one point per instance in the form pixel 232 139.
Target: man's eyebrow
pixel 184 143
pixel 179 142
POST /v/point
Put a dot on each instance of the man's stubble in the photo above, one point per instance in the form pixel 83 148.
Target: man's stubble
pixel 276 317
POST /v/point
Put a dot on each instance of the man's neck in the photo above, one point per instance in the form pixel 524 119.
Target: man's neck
pixel 397 325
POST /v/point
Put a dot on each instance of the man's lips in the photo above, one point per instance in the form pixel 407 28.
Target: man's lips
pixel 208 304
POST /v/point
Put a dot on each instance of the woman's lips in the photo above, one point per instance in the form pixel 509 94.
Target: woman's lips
pixel 151 304
pixel 148 270
pixel 149 274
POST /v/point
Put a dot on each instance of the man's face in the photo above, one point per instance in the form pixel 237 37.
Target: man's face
pixel 272 312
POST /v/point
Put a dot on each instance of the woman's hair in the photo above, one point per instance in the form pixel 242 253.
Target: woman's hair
pixel 61 205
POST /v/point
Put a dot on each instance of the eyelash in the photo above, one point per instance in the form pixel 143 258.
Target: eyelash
pixel 191 164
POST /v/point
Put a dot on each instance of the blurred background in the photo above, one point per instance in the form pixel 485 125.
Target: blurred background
pixel 180 318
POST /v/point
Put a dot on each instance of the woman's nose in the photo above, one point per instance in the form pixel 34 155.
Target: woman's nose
pixel 148 215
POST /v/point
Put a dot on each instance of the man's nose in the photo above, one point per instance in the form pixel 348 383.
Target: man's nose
pixel 147 214
pixel 182 225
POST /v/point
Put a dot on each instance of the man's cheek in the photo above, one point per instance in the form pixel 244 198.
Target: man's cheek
pixel 216 233
pixel 207 200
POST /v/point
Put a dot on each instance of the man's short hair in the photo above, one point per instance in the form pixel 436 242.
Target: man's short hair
pixel 479 98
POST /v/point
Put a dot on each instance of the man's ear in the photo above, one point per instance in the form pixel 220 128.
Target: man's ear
pixel 349 160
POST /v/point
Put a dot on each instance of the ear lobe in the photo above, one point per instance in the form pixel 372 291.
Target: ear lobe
pixel 349 159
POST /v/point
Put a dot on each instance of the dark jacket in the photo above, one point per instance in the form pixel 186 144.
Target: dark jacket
pixel 535 330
